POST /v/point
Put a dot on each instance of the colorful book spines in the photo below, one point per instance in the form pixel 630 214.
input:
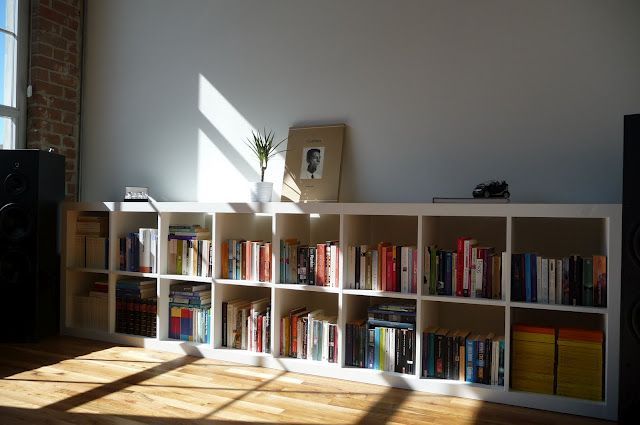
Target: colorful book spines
pixel 316 265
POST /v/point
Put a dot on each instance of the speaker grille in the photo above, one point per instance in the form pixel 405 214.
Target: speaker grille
pixel 15 268
pixel 15 222
pixel 15 184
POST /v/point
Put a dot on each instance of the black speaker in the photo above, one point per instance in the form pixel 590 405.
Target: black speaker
pixel 32 186
pixel 629 394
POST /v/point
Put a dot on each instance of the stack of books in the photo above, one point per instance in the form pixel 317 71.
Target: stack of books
pixel 309 264
pixel 190 251
pixel 136 307
pixel 190 312
pixel 573 280
pixel 386 341
pixel 309 334
pixel 91 244
pixel 385 267
pixel 459 355
pixel 469 271
pixel 245 260
pixel 246 325
pixel 580 367
pixel 533 360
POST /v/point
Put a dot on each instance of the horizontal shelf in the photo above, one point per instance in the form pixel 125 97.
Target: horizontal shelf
pixel 372 293
pixel 135 274
pixel 190 343
pixel 438 381
pixel 310 288
pixel 187 278
pixel 87 270
pixel 384 373
pixel 559 398
pixel 244 282
pixel 463 300
pixel 291 361
pixel 560 307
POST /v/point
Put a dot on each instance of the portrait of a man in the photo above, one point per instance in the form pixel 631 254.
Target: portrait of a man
pixel 312 162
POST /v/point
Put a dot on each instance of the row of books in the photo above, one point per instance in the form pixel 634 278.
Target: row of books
pixel 246 325
pixel 189 323
pixel 190 251
pixel 246 260
pixel 483 272
pixel 385 341
pixel 309 334
pixel 136 307
pixel 578 371
pixel 309 264
pixel 468 271
pixel 462 356
pixel 384 268
pixel 572 280
pixel 91 252
pixel 92 311
pixel 138 251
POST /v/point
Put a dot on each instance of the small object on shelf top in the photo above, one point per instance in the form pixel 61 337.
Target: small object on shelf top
pixel 492 189
pixel 136 194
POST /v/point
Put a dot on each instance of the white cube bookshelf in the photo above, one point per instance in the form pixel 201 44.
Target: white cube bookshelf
pixel 550 230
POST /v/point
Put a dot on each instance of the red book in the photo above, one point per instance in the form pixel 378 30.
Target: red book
pixel 390 274
pixel 321 263
pixel 267 262
pixel 259 344
pixel 460 266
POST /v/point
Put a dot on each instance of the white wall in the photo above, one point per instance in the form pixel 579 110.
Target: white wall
pixel 437 95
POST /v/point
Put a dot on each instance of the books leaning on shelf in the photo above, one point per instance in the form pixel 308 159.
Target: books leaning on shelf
pixel 190 312
pixel 138 251
pixel 91 245
pixel 136 307
pixel 309 264
pixel 469 271
pixel 386 267
pixel 246 260
pixel 190 251
pixel 385 341
pixel 246 325
pixel 462 356
pixel 572 280
pixel 309 334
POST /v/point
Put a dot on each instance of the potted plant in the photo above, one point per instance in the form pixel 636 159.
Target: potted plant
pixel 263 146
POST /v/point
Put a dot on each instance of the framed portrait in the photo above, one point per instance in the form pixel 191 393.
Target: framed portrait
pixel 312 167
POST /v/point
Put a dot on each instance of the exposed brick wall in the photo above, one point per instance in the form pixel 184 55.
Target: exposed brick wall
pixel 53 111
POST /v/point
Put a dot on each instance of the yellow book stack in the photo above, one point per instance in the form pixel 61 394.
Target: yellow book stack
pixel 533 359
pixel 580 363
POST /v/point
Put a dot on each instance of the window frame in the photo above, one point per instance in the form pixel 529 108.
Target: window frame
pixel 19 113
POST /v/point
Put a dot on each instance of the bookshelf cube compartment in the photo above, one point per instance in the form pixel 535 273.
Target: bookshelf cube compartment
pixel 224 330
pixel 239 227
pixel 188 310
pixel 543 360
pixel 168 254
pixel 85 308
pixel 122 225
pixel 136 305
pixel 304 230
pixel 87 229
pixel 295 306
pixel 559 237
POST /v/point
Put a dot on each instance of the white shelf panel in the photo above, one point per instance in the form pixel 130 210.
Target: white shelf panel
pixel 135 274
pixel 308 288
pixel 463 300
pixel 233 282
pixel 434 381
pixel 86 270
pixel 187 278
pixel 560 307
pixel 387 294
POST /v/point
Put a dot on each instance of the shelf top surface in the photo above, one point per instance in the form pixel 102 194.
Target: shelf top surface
pixel 474 209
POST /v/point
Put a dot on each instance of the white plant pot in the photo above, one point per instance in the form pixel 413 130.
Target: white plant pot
pixel 261 191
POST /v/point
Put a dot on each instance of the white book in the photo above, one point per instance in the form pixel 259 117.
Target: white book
pixel 559 281
pixel 552 281
pixel 545 281
pixel 144 242
pixel 333 277
pixel 374 271
pixel 255 260
pixel 478 270
pixel 153 251
pixel 538 279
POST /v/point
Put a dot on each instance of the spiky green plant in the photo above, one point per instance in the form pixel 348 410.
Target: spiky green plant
pixel 263 147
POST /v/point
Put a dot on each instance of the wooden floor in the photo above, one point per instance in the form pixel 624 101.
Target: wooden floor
pixel 75 381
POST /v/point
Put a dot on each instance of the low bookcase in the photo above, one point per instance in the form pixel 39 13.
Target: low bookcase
pixel 550 230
